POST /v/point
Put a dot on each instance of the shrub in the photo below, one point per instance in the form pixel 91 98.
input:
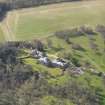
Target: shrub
pixel 87 30
pixel 66 34
pixel 75 61
pixel 77 47
pixel 100 28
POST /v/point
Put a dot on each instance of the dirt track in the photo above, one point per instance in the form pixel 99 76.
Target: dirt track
pixel 7 32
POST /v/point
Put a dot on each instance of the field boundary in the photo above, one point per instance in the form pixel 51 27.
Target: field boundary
pixel 54 8
pixel 7 31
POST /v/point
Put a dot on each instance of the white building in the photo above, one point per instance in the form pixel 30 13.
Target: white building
pixel 45 61
pixel 57 63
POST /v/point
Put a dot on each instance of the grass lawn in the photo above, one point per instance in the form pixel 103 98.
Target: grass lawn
pixel 45 20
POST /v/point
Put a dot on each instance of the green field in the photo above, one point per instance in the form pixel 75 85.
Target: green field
pixel 45 20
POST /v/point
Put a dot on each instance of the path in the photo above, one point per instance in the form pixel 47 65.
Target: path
pixel 7 31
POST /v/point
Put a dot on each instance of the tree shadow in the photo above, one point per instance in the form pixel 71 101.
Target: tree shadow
pixel 3 10
pixel 3 15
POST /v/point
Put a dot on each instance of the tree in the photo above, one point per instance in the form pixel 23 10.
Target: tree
pixel 49 43
pixel 77 47
pixel 39 45
pixel 8 54
pixel 93 46
pixel 8 98
pixel 87 30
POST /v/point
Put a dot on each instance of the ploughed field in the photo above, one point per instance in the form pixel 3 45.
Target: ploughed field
pixel 43 21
